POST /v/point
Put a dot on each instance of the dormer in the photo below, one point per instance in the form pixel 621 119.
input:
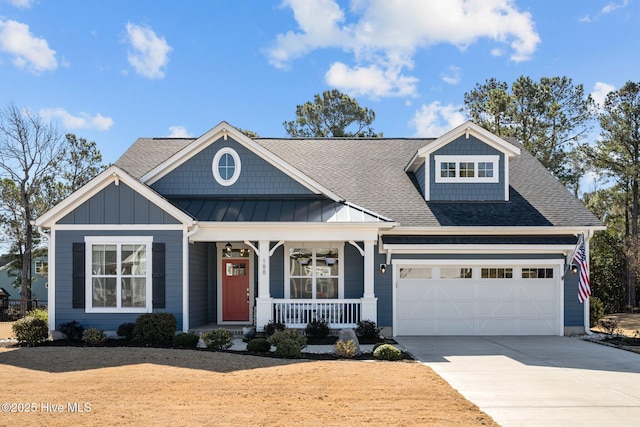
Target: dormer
pixel 468 163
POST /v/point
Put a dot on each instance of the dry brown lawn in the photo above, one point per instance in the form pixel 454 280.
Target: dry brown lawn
pixel 148 386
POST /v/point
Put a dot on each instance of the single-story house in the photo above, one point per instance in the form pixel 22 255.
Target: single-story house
pixel 464 234
pixel 10 278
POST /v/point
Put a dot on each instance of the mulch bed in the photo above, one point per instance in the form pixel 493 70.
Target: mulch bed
pixel 305 355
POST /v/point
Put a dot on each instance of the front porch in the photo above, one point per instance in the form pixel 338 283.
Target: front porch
pixel 339 314
pixel 334 281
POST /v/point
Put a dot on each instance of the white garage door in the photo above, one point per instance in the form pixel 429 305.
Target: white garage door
pixel 477 300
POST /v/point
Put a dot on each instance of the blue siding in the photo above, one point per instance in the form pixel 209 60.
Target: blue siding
pixel 213 284
pixel 384 291
pixel 257 177
pixel 198 284
pixel 420 178
pixel 276 274
pixel 573 310
pixel 353 272
pixel 118 204
pixel 462 191
pixel 111 321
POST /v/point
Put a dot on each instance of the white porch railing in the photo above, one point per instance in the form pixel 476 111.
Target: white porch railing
pixel 297 313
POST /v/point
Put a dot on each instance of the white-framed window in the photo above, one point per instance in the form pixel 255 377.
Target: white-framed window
pixel 456 273
pixel 314 271
pixel 467 168
pixel 537 273
pixel 226 166
pixel 496 273
pixel 118 274
pixel 41 267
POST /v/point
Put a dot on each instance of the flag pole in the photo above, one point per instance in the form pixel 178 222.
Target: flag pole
pixel 573 254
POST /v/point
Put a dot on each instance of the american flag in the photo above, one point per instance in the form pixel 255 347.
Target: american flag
pixel 584 288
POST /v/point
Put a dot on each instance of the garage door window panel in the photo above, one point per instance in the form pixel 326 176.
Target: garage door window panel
pixel 456 273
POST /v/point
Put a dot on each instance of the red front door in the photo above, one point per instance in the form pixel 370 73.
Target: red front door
pixel 235 290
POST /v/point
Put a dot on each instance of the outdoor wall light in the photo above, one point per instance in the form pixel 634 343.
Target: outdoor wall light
pixel 228 247
pixel 383 268
pixel 574 268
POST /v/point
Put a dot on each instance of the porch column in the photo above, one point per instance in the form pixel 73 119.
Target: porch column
pixel 369 300
pixel 263 301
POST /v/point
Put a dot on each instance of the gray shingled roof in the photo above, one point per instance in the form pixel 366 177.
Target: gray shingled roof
pixel 370 173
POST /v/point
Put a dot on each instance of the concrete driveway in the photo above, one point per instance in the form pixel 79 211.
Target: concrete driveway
pixel 537 381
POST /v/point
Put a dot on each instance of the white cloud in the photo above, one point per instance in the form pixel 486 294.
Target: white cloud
pixel 150 53
pixel 29 52
pixel 600 92
pixel 385 34
pixel 20 4
pixel 373 81
pixel 81 121
pixel 435 120
pixel 178 132
pixel 610 7
pixel 452 75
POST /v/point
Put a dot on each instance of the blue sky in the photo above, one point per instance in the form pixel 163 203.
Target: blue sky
pixel 113 71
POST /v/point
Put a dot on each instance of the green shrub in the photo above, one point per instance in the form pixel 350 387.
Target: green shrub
pixel 367 331
pixel 378 344
pixel 40 314
pixel 220 339
pixel 72 330
pixel 94 336
pixel 30 331
pixel 127 331
pixel 272 327
pixel 186 340
pixel 259 345
pixel 596 311
pixel 288 349
pixel 155 328
pixel 317 329
pixel 387 352
pixel 288 343
pixel 345 349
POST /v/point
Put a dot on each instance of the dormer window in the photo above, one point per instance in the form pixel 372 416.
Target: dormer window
pixel 466 169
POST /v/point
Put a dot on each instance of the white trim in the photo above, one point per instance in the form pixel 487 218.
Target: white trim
pixel 185 280
pixel 490 231
pixel 222 130
pixel 112 174
pixel 51 279
pixel 215 166
pixel 556 263
pixel 119 241
pixel 475 249
pixel 250 259
pixel 313 245
pixel 117 227
pixel 277 231
pixel 493 159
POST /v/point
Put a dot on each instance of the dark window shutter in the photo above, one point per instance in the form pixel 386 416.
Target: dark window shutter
pixel 158 275
pixel 78 281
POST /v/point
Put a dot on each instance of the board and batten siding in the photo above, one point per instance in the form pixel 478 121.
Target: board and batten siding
pixel 466 191
pixel 118 204
pixel 198 284
pixel 195 176
pixel 65 312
